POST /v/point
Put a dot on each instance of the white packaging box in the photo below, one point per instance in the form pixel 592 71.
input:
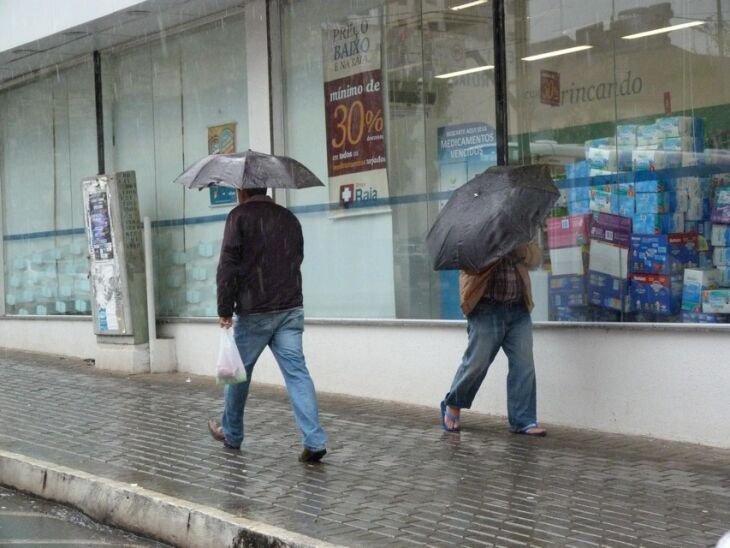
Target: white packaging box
pixel 720 235
pixel 645 159
pixel 567 260
pixel 724 276
pixel 721 256
pixel 695 209
pixel 692 185
pixel 682 201
pixel 722 197
pixel 675 126
pixel 608 259
pixel 601 158
pixel 716 301
pixel 697 280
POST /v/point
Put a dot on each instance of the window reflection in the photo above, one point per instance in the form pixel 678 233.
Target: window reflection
pixel 627 103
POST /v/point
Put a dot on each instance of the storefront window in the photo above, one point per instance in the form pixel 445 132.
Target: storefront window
pixel 47 146
pixel 627 102
pixel 168 104
pixel 392 104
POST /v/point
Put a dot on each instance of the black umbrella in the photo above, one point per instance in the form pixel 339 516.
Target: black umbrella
pixel 490 216
pixel 248 169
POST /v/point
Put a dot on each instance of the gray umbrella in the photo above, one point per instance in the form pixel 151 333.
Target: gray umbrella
pixel 248 169
pixel 490 216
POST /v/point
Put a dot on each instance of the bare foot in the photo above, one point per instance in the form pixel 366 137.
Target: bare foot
pixel 451 417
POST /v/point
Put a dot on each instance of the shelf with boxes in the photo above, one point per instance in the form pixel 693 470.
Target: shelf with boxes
pixel 639 226
pixel 47 276
pixel 186 275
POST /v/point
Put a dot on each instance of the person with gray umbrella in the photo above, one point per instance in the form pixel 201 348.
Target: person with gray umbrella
pixel 259 286
pixel 487 230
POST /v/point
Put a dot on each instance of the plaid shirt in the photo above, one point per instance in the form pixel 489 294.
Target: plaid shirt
pixel 504 284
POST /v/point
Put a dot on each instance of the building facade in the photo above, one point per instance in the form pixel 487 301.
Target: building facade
pixel 394 104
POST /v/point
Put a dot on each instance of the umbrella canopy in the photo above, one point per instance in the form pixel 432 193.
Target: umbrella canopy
pixel 490 216
pixel 248 169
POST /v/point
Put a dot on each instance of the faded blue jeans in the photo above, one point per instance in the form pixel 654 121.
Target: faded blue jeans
pixel 492 325
pixel 282 332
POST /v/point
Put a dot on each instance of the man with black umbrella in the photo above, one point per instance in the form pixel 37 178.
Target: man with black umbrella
pixel 259 280
pixel 497 303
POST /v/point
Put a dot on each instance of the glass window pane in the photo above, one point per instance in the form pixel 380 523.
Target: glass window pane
pixel 365 253
pixel 48 144
pixel 167 100
pixel 626 102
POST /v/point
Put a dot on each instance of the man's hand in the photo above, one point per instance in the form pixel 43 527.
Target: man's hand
pixel 225 322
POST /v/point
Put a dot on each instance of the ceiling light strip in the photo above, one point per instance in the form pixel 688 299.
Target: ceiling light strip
pixel 469 5
pixel 465 71
pixel 555 53
pixel 663 30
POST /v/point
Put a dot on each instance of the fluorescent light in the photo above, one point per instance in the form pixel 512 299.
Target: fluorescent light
pixel 555 53
pixel 663 30
pixel 469 5
pixel 465 71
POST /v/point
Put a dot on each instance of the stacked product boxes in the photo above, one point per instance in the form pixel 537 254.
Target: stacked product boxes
pixel 641 216
pixel 657 265
pixel 716 295
pixel 568 242
pixel 608 272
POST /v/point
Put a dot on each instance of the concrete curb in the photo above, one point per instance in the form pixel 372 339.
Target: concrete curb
pixel 139 510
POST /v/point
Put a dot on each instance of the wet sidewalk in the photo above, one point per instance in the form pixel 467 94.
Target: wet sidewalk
pixel 392 476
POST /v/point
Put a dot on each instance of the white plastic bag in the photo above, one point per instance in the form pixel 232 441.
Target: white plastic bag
pixel 229 368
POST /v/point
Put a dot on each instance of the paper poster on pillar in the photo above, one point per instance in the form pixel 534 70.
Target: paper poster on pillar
pixel 353 93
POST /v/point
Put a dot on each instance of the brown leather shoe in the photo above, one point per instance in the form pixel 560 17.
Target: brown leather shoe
pixel 214 427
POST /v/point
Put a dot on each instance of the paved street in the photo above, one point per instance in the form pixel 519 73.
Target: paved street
pixel 392 475
pixel 29 521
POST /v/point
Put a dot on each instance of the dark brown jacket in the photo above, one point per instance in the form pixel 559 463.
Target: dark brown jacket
pixel 259 266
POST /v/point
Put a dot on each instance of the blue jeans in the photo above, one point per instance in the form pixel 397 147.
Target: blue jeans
pixel 492 325
pixel 282 332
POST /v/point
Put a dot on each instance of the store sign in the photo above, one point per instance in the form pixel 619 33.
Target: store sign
pixel 550 88
pixel 222 140
pixel 353 94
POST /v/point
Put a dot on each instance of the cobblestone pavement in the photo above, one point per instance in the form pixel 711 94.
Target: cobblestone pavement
pixel 392 476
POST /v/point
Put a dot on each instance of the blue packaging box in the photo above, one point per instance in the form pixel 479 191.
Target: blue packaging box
pixel 705 259
pixel 702 228
pixel 655 185
pixel 577 170
pixel 626 205
pixel 626 135
pixel 608 292
pixel 663 253
pixel 581 207
pixel 583 314
pixel 579 193
pixel 721 256
pixel 692 127
pixel 698 317
pixel 658 223
pixel 720 235
pixel 653 159
pixel 605 199
pixel 624 158
pixel 656 293
pixel 568 290
pixel 656 202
